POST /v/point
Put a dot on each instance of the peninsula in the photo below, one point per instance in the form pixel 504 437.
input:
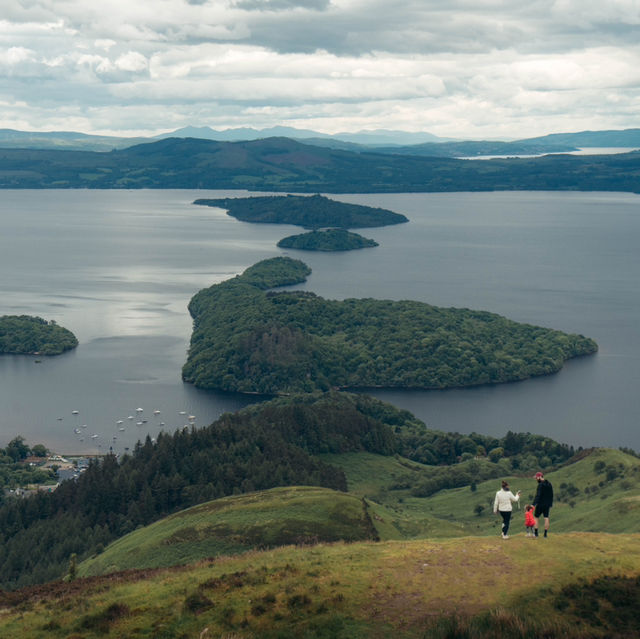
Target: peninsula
pixel 310 212
pixel 329 240
pixel 252 340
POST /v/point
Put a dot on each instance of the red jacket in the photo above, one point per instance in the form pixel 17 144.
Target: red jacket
pixel 529 519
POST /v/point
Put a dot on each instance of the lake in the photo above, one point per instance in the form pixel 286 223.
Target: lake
pixel 119 267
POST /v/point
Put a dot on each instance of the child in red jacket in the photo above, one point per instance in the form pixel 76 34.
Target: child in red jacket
pixel 529 520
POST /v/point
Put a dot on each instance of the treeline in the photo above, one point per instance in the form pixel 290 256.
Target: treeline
pixel 311 212
pixel 248 340
pixel 329 240
pixel 26 335
pixel 255 449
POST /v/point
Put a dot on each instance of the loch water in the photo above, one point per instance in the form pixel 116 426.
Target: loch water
pixel 119 267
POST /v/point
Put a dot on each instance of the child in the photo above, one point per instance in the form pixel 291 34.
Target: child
pixel 529 520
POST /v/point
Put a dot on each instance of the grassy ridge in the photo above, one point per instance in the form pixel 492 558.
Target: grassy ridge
pixel 403 589
pixel 277 517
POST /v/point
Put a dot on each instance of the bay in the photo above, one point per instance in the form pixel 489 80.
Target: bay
pixel 119 267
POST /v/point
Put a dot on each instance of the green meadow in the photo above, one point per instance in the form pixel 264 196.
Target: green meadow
pixel 376 561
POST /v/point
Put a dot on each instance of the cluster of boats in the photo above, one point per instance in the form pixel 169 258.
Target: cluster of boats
pixel 139 420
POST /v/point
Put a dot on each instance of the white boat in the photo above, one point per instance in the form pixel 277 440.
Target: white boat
pixel 130 417
pixel 139 410
pixel 191 417
pixel 93 436
pixel 121 428
pixel 138 423
pixel 156 412
pixel 77 431
pixel 75 412
pixel 119 421
pixel 182 412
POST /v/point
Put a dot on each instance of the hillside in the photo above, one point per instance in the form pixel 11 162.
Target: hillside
pixel 282 164
pixel 381 505
pixel 232 525
pixel 576 586
pixel 248 339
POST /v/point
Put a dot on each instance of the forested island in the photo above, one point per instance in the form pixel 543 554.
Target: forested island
pixel 310 212
pixel 327 240
pixel 27 335
pixel 252 340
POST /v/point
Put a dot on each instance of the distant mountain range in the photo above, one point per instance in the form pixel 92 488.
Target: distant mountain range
pixel 379 141
pixel 286 165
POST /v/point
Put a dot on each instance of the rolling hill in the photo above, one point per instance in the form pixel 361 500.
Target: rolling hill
pixel 282 164
pixel 232 525
pixel 575 585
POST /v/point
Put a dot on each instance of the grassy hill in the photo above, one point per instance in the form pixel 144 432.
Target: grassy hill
pixel 599 492
pixel 577 585
pixel 440 570
pixel 277 517
pixel 378 506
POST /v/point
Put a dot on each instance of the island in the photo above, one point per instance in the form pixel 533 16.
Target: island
pixel 28 335
pixel 308 211
pixel 327 240
pixel 251 339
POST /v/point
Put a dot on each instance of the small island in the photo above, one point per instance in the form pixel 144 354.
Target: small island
pixel 310 212
pixel 27 335
pixel 250 339
pixel 327 240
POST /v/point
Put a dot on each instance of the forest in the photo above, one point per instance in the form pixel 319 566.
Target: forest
pixel 249 339
pixel 329 240
pixel 27 335
pixel 276 443
pixel 310 212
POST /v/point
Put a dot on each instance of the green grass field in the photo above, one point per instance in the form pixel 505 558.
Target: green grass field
pixel 267 565
pixel 404 589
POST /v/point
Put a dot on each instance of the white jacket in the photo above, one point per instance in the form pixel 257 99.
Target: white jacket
pixel 503 500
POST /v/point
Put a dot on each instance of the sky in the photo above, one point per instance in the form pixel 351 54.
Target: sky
pixel 473 69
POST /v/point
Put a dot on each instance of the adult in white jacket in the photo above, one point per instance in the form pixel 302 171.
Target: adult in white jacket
pixel 503 504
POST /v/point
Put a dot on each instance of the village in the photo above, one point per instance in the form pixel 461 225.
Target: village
pixel 60 468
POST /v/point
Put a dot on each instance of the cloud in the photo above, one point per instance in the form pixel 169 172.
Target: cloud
pixel 460 68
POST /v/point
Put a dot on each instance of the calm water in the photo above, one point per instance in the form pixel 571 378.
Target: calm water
pixel 119 267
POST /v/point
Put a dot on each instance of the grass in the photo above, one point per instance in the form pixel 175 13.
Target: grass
pixel 440 572
pixel 403 589
pixel 282 516
pixel 599 492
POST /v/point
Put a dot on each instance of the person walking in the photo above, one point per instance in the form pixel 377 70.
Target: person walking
pixel 542 502
pixel 503 504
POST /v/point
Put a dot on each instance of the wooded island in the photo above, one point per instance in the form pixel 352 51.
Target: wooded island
pixel 248 339
pixel 27 335
pixel 329 240
pixel 310 212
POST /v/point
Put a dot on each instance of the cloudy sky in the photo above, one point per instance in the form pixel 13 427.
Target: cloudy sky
pixel 456 68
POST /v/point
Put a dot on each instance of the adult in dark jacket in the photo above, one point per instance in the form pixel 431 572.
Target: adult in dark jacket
pixel 542 502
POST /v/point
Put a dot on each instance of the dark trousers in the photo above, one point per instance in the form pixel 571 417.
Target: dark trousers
pixel 506 520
